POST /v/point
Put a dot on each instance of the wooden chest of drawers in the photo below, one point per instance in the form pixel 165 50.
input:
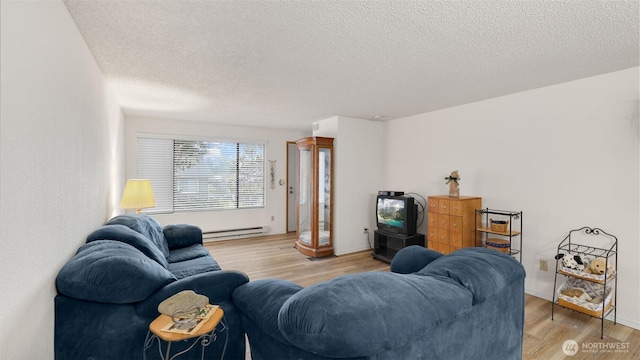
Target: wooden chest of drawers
pixel 451 222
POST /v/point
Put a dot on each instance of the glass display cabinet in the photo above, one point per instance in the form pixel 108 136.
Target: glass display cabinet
pixel 315 196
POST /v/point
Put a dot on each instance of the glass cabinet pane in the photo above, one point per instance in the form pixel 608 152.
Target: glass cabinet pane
pixel 305 196
pixel 324 196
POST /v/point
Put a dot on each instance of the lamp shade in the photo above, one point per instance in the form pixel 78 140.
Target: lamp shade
pixel 138 195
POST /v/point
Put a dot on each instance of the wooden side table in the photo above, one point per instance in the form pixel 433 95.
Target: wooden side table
pixel 205 335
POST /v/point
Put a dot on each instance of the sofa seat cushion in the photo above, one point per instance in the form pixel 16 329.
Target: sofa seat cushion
pixel 145 225
pixel 113 272
pixel 187 253
pixel 482 271
pixel 186 268
pixel 126 235
pixel 364 314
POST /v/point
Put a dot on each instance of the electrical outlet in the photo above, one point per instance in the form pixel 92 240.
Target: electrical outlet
pixel 365 230
pixel 272 217
pixel 544 266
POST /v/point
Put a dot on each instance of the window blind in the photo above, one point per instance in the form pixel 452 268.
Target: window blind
pixel 207 175
pixel 155 159
pixel 251 175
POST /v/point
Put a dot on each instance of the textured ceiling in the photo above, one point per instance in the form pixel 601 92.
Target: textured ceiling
pixel 290 63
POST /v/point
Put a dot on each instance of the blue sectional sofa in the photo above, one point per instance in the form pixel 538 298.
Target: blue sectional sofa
pixel 465 305
pixel 109 292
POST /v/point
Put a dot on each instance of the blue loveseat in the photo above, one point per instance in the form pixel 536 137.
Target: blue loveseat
pixel 109 292
pixel 465 305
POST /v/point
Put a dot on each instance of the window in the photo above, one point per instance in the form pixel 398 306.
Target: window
pixel 191 175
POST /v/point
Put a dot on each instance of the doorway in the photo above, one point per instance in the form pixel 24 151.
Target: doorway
pixel 292 186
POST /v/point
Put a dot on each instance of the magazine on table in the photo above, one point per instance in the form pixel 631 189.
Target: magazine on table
pixel 191 326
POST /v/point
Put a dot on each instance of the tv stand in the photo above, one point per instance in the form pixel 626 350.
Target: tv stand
pixel 386 245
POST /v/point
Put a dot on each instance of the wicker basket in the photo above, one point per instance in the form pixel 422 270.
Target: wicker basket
pixel 594 313
pixel 593 289
pixel 501 245
pixel 499 225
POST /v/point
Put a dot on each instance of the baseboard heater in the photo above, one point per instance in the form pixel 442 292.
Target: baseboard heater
pixel 234 233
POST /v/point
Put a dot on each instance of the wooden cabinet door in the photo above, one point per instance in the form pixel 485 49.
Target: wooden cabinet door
pixel 442 221
pixel 432 235
pixel 456 207
pixel 432 220
pixel 432 205
pixel 456 223
pixel 442 248
pixel 443 236
pixel 455 239
pixel 443 206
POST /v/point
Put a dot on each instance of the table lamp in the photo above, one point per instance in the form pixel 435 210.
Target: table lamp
pixel 137 195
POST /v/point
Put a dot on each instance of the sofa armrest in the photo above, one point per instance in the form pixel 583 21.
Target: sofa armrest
pixel 261 301
pixel 182 235
pixel 216 285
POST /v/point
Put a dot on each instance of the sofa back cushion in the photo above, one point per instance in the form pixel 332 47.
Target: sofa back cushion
pixel 482 271
pixel 413 258
pixel 126 235
pixel 146 226
pixel 113 272
pixel 363 314
pixel 182 235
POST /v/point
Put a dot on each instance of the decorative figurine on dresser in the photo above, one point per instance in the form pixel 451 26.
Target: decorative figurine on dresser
pixel 452 181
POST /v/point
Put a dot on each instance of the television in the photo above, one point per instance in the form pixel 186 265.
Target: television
pixel 396 214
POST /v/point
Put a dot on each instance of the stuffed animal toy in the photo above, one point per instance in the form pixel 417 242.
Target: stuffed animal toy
pixel 577 293
pixel 597 300
pixel 581 295
pixel 597 266
pixel 571 261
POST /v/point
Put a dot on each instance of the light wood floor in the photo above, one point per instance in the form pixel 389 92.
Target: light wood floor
pixel 275 257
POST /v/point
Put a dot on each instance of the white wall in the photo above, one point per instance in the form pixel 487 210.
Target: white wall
pixel 61 160
pixel 359 150
pixel 566 155
pixel 276 149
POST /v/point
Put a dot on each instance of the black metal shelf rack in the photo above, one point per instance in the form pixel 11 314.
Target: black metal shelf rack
pixel 610 254
pixel 513 230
